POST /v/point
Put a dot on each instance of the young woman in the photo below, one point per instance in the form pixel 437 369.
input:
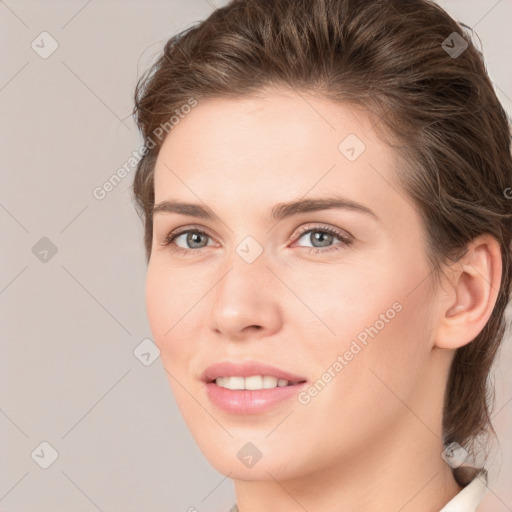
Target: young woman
pixel 328 231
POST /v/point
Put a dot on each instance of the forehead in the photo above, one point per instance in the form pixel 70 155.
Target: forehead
pixel 275 147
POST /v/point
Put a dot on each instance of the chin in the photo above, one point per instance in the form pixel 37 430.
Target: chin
pixel 263 469
pixel 243 459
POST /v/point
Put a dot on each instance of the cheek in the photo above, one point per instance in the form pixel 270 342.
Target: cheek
pixel 342 299
pixel 158 309
pixel 375 318
pixel 169 308
pixel 366 374
pixel 396 360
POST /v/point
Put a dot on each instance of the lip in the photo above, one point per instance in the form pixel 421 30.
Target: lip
pixel 247 369
pixel 245 401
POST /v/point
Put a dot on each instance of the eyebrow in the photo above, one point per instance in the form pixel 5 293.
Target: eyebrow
pixel 279 212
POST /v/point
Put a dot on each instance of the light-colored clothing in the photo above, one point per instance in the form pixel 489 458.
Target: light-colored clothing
pixel 470 496
pixel 468 499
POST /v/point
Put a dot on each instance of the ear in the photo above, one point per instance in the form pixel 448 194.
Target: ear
pixel 473 292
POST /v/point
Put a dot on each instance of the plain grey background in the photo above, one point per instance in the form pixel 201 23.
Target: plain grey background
pixel 72 319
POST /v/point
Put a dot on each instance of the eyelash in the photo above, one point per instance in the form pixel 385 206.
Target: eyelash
pixel 322 229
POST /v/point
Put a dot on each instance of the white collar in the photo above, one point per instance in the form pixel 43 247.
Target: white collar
pixel 470 497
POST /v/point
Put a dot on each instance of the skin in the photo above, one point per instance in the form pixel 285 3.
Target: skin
pixel 371 439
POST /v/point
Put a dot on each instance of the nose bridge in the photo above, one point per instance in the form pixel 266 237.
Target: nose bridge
pixel 244 295
pixel 246 270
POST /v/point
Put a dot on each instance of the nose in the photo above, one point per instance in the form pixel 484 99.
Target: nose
pixel 245 302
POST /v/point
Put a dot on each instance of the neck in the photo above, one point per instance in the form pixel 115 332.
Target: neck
pixel 402 470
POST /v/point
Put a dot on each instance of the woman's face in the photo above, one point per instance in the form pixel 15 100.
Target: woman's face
pixel 351 318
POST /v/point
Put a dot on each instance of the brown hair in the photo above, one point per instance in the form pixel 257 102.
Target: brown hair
pixel 395 60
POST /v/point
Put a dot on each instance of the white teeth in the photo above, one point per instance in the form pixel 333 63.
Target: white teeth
pixel 253 382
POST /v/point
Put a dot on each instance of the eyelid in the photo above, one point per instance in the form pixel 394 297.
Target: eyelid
pixel 345 237
pixel 312 226
pixel 185 229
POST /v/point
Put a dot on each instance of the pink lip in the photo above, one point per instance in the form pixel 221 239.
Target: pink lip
pixel 244 401
pixel 247 369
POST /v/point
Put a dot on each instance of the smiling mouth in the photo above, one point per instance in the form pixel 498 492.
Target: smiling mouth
pixel 247 395
pixel 253 382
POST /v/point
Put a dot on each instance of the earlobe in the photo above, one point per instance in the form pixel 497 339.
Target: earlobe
pixel 473 294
